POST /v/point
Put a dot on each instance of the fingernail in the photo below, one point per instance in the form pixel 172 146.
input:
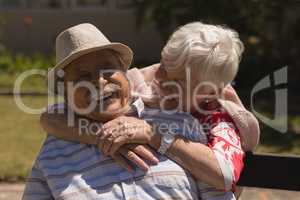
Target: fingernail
pixel 146 169
pixel 155 160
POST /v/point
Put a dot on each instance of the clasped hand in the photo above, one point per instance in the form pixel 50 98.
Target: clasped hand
pixel 126 138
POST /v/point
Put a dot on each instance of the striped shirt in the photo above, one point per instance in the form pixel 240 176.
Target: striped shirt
pixel 70 170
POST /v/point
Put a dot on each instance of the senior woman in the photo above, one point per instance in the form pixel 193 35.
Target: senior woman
pixel 197 56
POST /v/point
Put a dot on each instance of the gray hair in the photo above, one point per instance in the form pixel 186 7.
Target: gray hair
pixel 212 52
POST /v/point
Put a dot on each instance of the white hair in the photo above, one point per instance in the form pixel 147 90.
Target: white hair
pixel 212 52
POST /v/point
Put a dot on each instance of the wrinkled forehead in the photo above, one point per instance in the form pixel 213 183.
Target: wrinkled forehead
pixel 107 59
pixel 96 62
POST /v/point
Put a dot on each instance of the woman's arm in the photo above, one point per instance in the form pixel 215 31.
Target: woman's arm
pixel 197 158
pixel 206 161
pixel 56 124
pixel 218 164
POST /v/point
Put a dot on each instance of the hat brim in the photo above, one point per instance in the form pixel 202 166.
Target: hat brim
pixel 124 51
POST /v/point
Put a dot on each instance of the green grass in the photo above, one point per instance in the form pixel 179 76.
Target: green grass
pixel 33 83
pixel 21 138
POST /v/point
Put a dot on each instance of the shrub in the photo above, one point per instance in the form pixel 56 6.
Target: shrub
pixel 10 63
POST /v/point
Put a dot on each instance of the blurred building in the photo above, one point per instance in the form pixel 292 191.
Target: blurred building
pixel 32 25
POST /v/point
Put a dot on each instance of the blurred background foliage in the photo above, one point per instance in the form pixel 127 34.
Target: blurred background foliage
pixel 269 29
pixel 11 63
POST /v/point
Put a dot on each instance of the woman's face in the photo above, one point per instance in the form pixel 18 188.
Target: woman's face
pixel 184 90
pixel 95 86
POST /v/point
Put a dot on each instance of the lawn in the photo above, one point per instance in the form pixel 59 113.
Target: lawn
pixel 34 83
pixel 21 138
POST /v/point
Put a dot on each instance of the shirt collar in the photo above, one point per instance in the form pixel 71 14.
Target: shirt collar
pixel 138 106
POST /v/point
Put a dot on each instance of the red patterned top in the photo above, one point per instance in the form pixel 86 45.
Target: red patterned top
pixel 224 140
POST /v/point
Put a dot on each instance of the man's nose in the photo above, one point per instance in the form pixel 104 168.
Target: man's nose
pixel 102 82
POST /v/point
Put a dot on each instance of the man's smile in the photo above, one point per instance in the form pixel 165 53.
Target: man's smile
pixel 107 95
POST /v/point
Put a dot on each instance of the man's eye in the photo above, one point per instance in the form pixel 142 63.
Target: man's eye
pixel 106 74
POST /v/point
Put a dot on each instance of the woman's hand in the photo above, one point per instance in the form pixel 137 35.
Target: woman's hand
pixel 123 130
pixel 134 153
pixel 231 95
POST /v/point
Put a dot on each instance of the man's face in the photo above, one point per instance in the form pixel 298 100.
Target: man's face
pixel 96 87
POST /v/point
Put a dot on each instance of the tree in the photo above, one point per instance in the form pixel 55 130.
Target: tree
pixel 1 30
pixel 268 28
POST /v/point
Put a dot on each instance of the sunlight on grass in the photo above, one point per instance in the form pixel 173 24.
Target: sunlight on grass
pixel 34 83
pixel 20 137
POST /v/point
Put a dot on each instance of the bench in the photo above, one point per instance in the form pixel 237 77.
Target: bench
pixel 271 171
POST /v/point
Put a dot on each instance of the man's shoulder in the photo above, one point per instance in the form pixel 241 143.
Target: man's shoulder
pixel 54 147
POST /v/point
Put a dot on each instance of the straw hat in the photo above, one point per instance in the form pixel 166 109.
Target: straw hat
pixel 80 40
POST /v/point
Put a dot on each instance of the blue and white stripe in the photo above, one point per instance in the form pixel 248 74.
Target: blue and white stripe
pixel 70 170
